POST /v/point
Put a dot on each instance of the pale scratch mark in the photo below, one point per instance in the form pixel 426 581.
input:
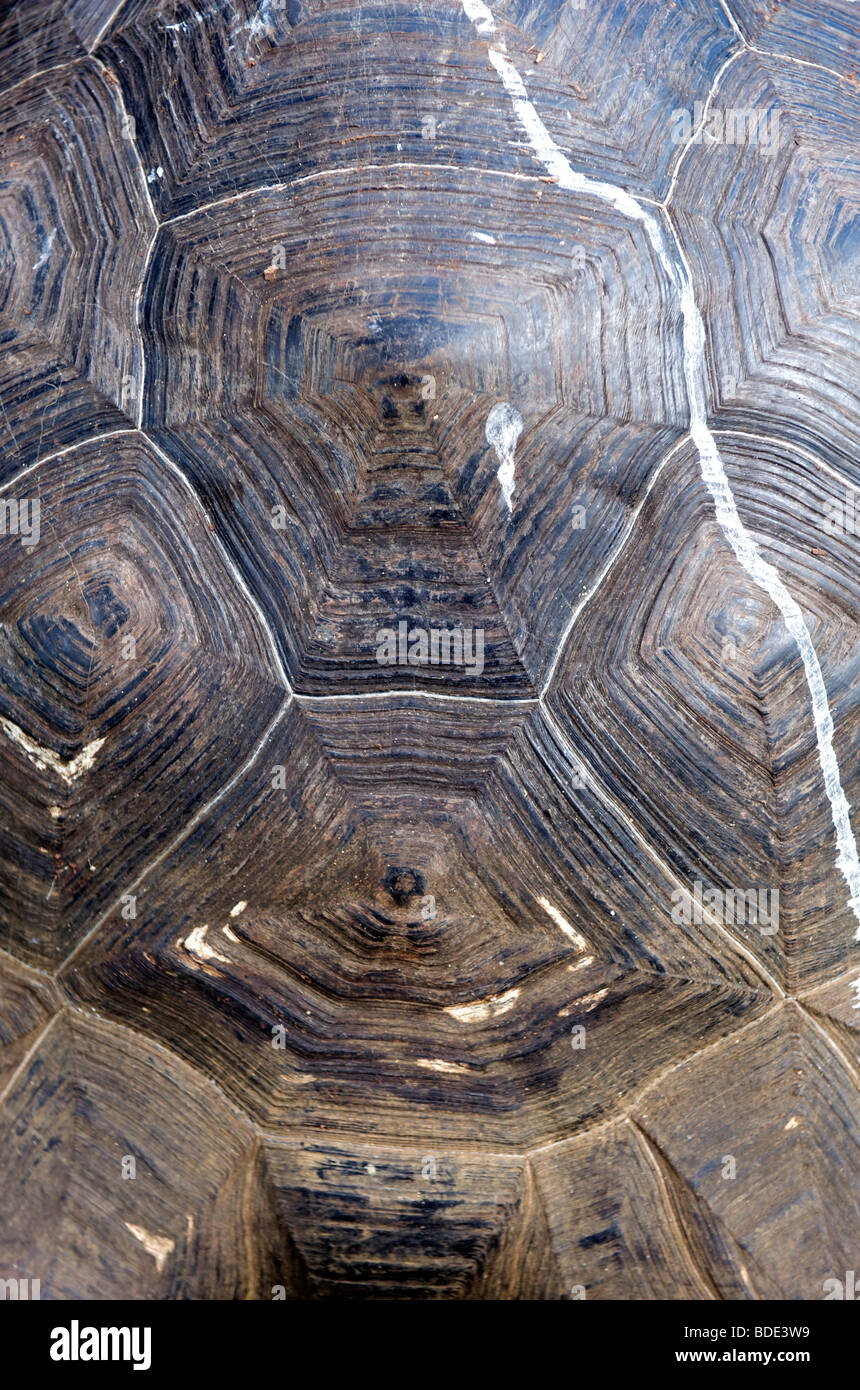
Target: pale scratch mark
pixel 584 1004
pixel 503 429
pixel 46 249
pixel 196 945
pixel 46 759
pixel 483 1009
pixel 579 941
pixel 187 830
pixel 159 1247
pixel 437 1064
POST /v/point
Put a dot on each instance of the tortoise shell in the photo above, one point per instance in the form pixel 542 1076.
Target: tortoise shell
pixel 429 706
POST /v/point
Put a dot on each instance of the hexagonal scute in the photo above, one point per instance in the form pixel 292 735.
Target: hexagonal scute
pixel 69 274
pixel 680 687
pixel 429 649
pixel 122 633
pixel 389 922
pixel 337 415
pixel 276 92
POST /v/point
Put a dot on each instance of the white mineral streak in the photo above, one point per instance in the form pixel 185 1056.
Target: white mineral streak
pixel 46 250
pixel 197 945
pixel 579 941
pixel 159 1247
pixel 584 1004
pixel 437 1064
pixel 503 429
pixel 483 1009
pixel 480 16
pixel 45 758
pixel 713 472
pixel 263 23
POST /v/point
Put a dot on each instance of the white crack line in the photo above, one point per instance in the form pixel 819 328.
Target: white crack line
pixel 697 129
pixel 127 128
pixel 713 473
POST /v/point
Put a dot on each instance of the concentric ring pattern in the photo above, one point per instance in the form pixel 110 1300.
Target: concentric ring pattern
pixel 422 869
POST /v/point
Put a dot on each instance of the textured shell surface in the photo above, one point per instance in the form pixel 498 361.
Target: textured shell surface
pixel 429 663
